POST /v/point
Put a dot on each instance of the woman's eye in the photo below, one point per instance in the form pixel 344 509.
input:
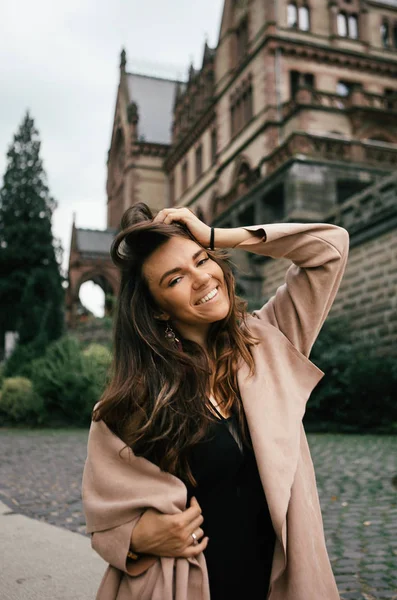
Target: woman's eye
pixel 175 281
pixel 202 261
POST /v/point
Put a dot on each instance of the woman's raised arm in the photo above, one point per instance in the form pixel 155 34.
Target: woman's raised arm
pixel 319 252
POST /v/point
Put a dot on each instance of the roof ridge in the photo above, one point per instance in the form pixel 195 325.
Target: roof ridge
pixel 157 77
pixel 107 230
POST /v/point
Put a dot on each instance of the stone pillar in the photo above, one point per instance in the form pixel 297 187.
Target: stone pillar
pixel 363 26
pixel 356 95
pixel 271 11
pixel 333 14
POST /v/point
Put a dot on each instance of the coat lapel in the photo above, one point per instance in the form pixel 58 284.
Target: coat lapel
pixel 274 401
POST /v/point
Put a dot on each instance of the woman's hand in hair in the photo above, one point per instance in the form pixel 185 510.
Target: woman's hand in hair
pixel 200 230
pixel 170 535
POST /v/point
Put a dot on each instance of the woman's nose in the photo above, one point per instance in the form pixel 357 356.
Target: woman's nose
pixel 201 279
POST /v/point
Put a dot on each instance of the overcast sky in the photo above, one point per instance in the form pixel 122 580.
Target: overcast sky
pixel 61 59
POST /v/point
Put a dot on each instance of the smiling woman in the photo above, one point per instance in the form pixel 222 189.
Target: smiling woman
pixel 173 288
pixel 196 453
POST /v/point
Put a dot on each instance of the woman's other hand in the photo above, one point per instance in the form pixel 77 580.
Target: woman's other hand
pixel 200 230
pixel 170 535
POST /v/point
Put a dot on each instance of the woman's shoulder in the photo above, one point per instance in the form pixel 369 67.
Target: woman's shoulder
pixel 256 325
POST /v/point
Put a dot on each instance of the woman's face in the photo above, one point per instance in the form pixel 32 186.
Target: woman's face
pixel 180 275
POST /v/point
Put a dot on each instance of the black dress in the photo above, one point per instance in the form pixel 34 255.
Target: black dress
pixel 236 516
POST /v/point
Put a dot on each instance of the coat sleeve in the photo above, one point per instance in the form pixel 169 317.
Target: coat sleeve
pixel 113 545
pixel 117 488
pixel 319 254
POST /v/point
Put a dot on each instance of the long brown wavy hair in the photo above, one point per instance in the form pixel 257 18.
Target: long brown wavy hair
pixel 158 396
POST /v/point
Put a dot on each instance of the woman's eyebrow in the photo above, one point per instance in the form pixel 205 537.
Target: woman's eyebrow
pixel 177 269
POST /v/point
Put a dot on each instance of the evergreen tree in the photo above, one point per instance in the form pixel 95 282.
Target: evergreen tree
pixel 31 293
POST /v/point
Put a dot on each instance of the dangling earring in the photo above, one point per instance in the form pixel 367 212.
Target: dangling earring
pixel 170 335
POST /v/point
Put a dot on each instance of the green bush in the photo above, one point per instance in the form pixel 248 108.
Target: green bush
pixel 20 361
pixel 97 360
pixel 99 355
pixel 2 367
pixel 63 378
pixel 19 402
pixel 357 392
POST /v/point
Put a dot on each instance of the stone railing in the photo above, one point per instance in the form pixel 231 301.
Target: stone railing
pixel 313 146
pixel 358 98
pixel 374 204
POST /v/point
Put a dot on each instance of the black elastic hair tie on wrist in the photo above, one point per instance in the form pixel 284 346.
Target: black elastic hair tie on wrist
pixel 212 239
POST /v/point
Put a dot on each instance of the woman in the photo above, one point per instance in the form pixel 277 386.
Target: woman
pixel 198 482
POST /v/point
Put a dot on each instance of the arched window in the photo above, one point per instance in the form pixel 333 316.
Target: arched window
pixel 304 18
pixel 353 27
pixel 384 33
pixel 342 24
pixel 292 15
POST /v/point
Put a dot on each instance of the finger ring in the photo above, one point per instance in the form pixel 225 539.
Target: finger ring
pixel 194 536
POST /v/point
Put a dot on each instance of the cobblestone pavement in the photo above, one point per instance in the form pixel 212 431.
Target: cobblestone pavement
pixel 40 476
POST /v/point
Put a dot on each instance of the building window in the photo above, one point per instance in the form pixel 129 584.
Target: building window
pixel 292 15
pixel 343 88
pixel 242 40
pixel 388 34
pixel 304 18
pixel 391 99
pixel 347 25
pixel 353 27
pixel 172 190
pixel 293 82
pixel 298 18
pixel 199 161
pixel 342 24
pixel 184 176
pixel 214 144
pixel 247 104
pixel 241 107
pixel 298 79
pixel 233 127
pixel 384 33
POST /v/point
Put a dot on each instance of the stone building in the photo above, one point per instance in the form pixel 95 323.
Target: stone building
pixel 292 117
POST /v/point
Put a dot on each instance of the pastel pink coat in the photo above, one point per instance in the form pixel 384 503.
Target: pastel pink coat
pixel 118 487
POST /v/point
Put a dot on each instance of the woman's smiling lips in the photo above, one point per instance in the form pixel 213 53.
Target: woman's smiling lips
pixel 199 303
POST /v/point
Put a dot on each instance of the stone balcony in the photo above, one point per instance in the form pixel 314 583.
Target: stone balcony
pixel 358 99
pixel 300 145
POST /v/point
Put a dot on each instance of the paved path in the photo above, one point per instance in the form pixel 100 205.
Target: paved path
pixel 43 562
pixel 40 476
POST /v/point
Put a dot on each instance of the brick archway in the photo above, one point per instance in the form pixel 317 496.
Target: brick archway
pixel 98 274
pixel 90 261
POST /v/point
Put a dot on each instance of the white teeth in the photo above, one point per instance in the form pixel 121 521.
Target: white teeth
pixel 208 296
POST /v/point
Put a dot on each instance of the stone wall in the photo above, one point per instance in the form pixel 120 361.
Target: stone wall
pixel 368 292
